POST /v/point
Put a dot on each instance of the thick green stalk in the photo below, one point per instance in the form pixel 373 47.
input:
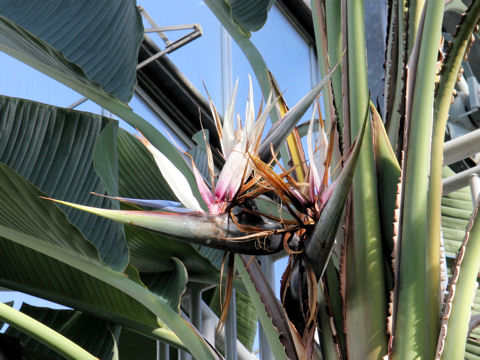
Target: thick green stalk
pixel 418 281
pixel 334 37
pixel 326 22
pixel 42 333
pixel 441 107
pixel 322 55
pixel 326 335
pixel 365 283
pixel 415 8
pixel 395 75
pixel 465 275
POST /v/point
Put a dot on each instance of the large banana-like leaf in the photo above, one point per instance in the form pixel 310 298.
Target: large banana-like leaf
pixel 53 148
pixel 456 210
pixel 44 255
pixel 101 37
pixel 94 335
pixel 151 253
pixel 138 175
pixel 105 159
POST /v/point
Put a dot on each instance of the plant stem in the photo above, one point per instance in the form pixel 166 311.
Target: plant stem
pixel 365 283
pixel 42 333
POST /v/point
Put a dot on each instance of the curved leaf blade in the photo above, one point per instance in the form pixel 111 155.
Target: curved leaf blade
pixel 463 284
pixel 101 37
pixel 53 148
pixel 43 333
pixel 94 335
pixel 282 128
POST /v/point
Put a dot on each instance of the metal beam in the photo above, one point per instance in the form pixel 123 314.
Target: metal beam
pixel 459 180
pixel 461 147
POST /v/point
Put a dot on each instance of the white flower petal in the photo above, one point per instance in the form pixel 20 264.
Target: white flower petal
pixel 175 179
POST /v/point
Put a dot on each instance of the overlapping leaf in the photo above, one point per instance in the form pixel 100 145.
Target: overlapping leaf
pixel 53 148
pixel 32 261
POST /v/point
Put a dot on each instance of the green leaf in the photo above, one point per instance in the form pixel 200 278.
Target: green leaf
pixel 463 284
pixel 456 6
pixel 270 312
pixel 418 307
pixel 92 334
pixel 171 286
pixel 251 15
pixel 388 171
pixel 44 255
pixel 443 96
pixel 395 70
pixel 43 333
pixel 282 128
pixel 151 253
pixel 101 38
pixel 456 211
pixel 366 315
pixel 138 175
pixel 53 148
pixel 106 160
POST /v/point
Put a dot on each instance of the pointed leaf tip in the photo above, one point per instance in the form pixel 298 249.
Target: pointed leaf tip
pixel 319 246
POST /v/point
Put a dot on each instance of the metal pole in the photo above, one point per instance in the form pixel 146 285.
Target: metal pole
pixel 227 87
pixel 269 272
pixel 196 305
pixel 475 187
pixel 231 330
pixel 461 147
pixel 163 351
pixel 459 180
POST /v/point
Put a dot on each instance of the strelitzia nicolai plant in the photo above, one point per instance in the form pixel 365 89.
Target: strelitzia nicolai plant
pixel 354 283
